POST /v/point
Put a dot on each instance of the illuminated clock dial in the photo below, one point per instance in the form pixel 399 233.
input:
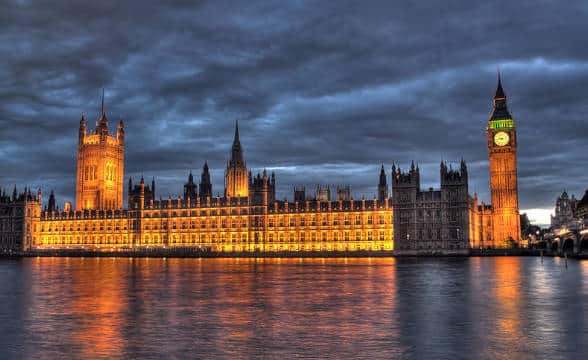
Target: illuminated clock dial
pixel 501 138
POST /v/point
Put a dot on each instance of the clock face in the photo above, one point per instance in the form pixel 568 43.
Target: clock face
pixel 501 138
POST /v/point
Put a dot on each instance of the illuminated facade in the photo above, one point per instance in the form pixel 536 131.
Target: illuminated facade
pixel 502 149
pixel 100 176
pixel 236 178
pixel 249 218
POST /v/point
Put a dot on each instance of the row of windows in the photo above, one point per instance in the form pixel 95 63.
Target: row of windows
pixel 324 221
pixel 208 223
pixel 213 238
pixel 90 172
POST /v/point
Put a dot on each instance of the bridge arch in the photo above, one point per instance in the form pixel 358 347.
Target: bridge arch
pixel 584 244
pixel 555 246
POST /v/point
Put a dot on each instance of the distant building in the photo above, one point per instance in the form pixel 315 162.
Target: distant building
pixel 582 207
pixel 565 208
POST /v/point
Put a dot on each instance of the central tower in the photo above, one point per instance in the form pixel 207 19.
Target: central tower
pixel 502 150
pixel 99 184
pixel 236 176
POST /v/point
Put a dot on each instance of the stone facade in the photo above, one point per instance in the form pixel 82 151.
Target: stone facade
pixel 432 220
pixel 19 220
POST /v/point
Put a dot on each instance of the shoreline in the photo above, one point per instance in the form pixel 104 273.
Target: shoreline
pixel 197 253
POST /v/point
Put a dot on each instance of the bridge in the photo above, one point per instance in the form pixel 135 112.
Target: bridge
pixel 570 239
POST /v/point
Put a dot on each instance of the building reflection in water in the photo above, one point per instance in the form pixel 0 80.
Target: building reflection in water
pixel 507 289
pixel 342 308
pixel 78 306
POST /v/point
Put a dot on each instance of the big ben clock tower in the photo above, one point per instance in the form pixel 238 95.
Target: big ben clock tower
pixel 502 150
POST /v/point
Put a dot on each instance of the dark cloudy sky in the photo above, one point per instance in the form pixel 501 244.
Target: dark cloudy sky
pixel 325 91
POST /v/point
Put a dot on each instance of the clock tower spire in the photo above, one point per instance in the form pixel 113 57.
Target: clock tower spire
pixel 502 151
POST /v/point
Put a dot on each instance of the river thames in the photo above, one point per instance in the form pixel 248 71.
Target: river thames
pixel 486 308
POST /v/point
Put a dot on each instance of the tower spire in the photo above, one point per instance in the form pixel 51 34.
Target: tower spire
pixel 500 110
pixel 102 104
pixel 236 138
pixel 499 91
pixel 237 152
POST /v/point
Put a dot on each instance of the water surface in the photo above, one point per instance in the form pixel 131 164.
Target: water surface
pixel 487 308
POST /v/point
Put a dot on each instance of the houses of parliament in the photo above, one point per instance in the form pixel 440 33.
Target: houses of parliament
pixel 403 218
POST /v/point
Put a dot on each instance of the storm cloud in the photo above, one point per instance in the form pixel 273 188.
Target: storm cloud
pixel 325 92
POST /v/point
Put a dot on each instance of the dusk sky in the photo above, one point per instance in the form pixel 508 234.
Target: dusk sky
pixel 324 92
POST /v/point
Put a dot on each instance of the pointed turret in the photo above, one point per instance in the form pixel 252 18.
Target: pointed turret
pixel 236 151
pixel 236 175
pixel 83 129
pixel 205 183
pixel 51 204
pixel 382 185
pixel 500 110
pixel 102 123
pixel 120 131
pixel 190 189
pixel 499 91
